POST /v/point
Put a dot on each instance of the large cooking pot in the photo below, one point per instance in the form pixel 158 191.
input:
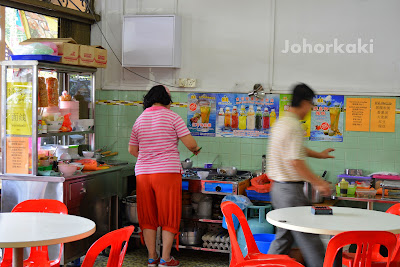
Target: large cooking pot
pixel 131 209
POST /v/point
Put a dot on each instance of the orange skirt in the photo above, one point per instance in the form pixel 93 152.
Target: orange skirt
pixel 159 201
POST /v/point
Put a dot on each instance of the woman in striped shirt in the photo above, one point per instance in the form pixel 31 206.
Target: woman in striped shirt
pixel 154 141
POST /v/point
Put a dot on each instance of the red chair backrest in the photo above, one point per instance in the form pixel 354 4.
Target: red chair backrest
pixel 365 241
pixel 395 210
pixel 270 263
pixel 41 205
pixel 228 209
pixel 115 239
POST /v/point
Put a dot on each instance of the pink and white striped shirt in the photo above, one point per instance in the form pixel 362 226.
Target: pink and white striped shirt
pixel 157 132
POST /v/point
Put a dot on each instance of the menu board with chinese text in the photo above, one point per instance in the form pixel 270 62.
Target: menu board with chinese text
pixel 383 114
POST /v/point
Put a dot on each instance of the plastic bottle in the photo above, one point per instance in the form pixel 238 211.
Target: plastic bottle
pixel 39 117
pixel 258 118
pixel 235 118
pixel 251 118
pixel 44 127
pixel 242 118
pixel 272 117
pixel 343 185
pixel 265 117
pixel 228 122
pixel 221 117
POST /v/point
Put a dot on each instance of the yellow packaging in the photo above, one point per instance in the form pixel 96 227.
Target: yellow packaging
pixel 86 55
pixel 68 49
pixel 100 57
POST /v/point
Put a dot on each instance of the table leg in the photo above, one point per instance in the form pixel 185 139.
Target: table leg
pixel 370 205
pixel 338 259
pixel 18 257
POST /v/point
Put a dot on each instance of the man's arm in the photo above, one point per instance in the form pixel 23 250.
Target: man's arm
pixel 320 184
pixel 320 155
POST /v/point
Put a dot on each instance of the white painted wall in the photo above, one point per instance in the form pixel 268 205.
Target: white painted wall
pixel 227 44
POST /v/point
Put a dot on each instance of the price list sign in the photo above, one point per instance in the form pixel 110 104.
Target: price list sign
pixel 383 114
pixel 19 108
pixel 17 155
pixel 357 114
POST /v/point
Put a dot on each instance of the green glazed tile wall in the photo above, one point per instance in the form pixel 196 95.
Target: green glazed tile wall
pixel 369 151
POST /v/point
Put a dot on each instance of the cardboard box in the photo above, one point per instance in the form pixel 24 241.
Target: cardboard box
pixel 67 48
pixel 100 57
pixel 86 55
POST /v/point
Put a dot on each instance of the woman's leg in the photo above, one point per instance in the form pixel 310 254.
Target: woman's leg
pixel 168 239
pixel 147 212
pixel 149 236
pixel 168 193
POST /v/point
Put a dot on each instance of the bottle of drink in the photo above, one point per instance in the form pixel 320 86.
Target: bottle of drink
pixel 251 118
pixel 221 117
pixel 272 117
pixel 265 117
pixel 227 118
pixel 235 118
pixel 258 118
pixel 242 118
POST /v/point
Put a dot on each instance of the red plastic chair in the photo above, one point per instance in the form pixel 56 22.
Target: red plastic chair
pixel 228 209
pixel 38 256
pixel 377 259
pixel 366 241
pixel 115 239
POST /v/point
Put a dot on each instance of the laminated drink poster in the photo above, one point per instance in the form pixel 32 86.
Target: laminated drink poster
pixel 285 101
pixel 327 118
pixel 201 114
pixel 239 115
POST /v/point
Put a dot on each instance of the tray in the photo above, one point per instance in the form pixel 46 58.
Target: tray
pixel 36 57
pixel 386 177
pixel 345 176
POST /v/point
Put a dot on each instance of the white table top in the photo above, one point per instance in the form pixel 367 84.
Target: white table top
pixel 343 219
pixel 31 229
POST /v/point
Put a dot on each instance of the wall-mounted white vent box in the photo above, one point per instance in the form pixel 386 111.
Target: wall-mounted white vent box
pixel 151 41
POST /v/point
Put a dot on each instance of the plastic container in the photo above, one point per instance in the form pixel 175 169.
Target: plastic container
pixel 264 241
pixel 208 165
pixel 36 57
pixel 254 195
pixel 366 193
pixel 351 190
pixel 353 179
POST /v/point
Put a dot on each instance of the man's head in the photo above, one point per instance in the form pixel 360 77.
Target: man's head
pixel 302 100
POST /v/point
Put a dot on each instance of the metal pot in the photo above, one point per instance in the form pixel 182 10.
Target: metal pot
pixel 131 209
pixel 312 194
pixel 227 171
pixel 190 238
pixel 187 164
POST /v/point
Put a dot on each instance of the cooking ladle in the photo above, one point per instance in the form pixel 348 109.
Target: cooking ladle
pixel 188 159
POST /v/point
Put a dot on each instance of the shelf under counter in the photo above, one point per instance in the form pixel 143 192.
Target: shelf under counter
pixel 370 201
pixel 203 249
pixel 64 133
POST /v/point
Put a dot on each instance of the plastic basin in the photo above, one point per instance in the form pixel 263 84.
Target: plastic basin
pixel 264 241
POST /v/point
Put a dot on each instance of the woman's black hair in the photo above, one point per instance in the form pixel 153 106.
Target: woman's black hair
pixel 301 92
pixel 157 94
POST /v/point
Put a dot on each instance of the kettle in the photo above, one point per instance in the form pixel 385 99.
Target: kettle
pixel 257 223
pixel 311 193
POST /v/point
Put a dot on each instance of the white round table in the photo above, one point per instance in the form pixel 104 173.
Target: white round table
pixel 343 219
pixel 31 229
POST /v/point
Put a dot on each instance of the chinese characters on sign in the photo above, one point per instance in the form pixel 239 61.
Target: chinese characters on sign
pixel 383 112
pixel 19 108
pixel 357 114
pixel 17 155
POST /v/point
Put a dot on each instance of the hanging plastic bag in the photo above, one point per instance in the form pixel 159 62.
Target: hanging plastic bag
pixel 242 201
pixel 33 49
pixel 260 184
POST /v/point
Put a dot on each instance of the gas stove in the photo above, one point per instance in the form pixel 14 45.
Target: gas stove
pixel 215 183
